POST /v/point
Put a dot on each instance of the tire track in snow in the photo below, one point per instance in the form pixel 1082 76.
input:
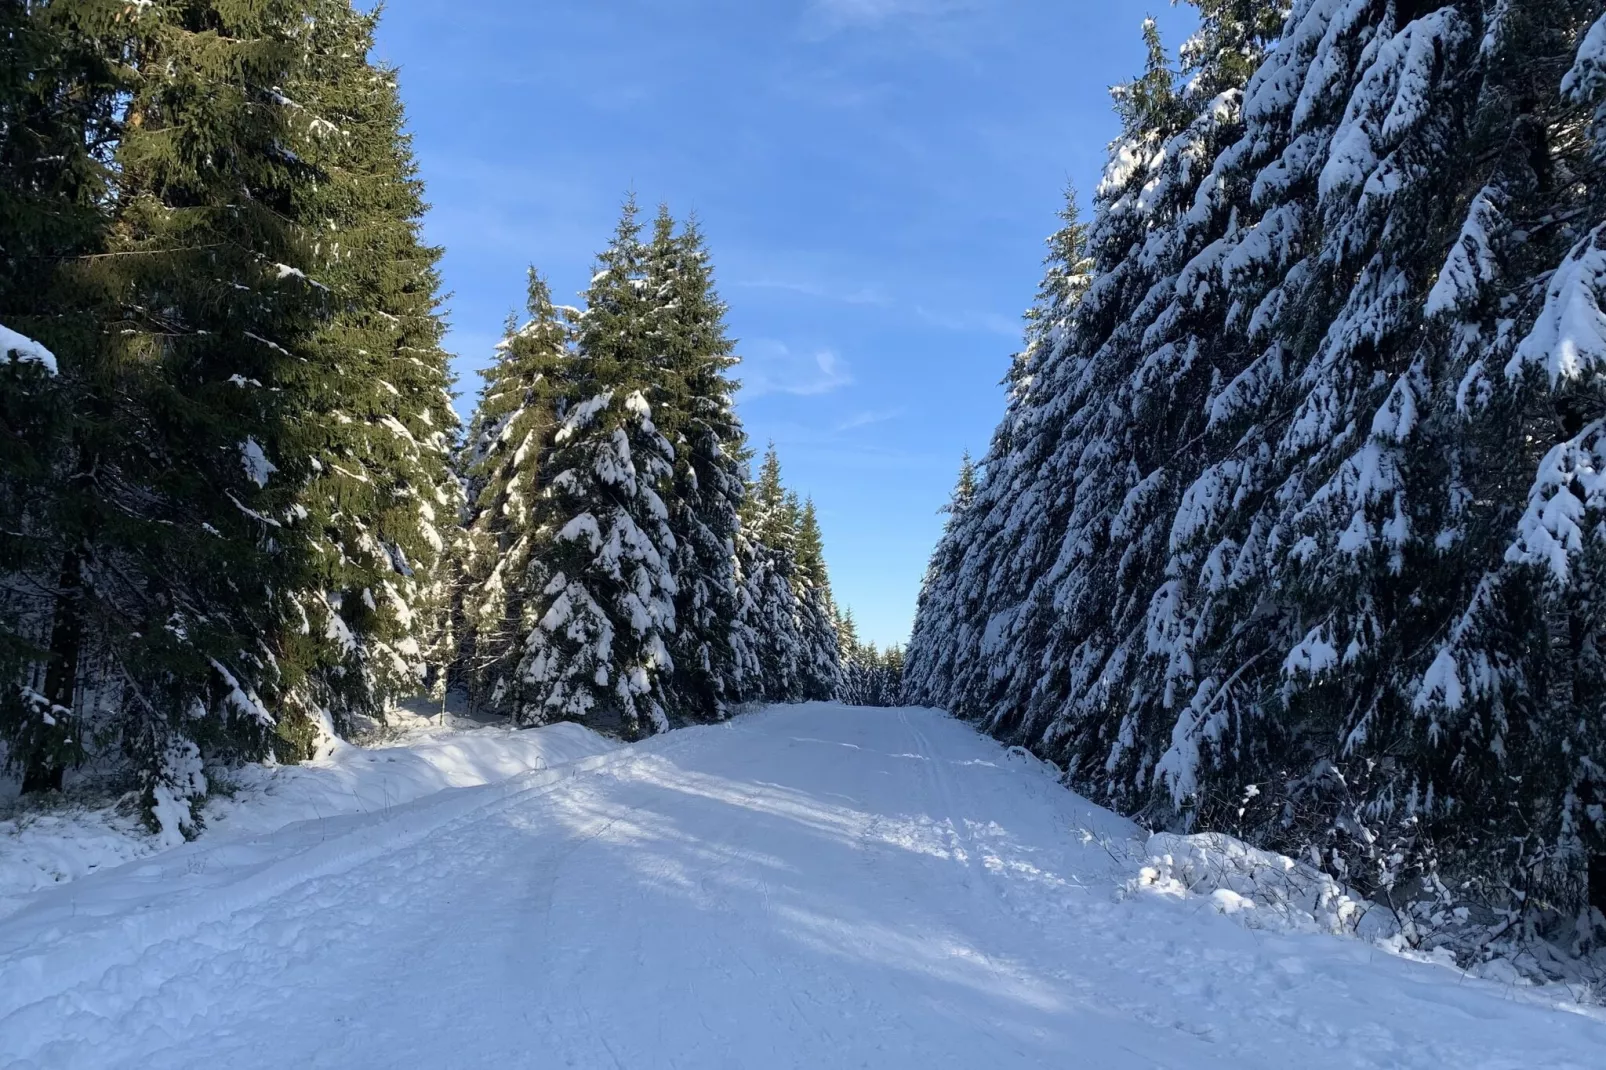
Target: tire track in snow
pixel 961 842
pixel 78 959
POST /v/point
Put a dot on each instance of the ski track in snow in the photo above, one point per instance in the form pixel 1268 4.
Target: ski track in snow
pixel 810 886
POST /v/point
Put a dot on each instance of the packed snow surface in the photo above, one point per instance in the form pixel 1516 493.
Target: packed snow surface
pixel 810 886
pixel 46 847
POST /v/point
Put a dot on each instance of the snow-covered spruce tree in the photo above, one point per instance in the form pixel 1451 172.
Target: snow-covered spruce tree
pixel 1377 528
pixel 169 532
pixel 1512 695
pixel 999 534
pixel 1078 484
pixel 1010 535
pixel 870 677
pixel 861 670
pixel 692 398
pixel 847 650
pixel 927 680
pixel 1104 622
pixel 1208 662
pixel 747 641
pixel 508 441
pixel 1129 601
pixel 375 412
pixel 605 612
pixel 892 669
pixel 769 599
pixel 819 660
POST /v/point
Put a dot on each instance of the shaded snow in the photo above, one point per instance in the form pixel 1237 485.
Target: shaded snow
pixel 257 466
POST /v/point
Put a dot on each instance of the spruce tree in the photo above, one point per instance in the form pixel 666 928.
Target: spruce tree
pixel 857 685
pixel 985 599
pixel 870 676
pixel 1511 693
pixel 1053 407
pixel 937 612
pixel 508 442
pixel 58 121
pixel 893 664
pixel 1290 530
pixel 374 408
pixel 694 406
pixel 168 538
pixel 770 600
pixel 605 615
pixel 819 662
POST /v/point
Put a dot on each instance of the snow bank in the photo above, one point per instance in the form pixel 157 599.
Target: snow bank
pixel 1262 889
pixel 39 848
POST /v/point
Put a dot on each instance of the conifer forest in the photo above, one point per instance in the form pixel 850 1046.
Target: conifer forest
pixel 1292 530
pixel 1293 524
pixel 241 516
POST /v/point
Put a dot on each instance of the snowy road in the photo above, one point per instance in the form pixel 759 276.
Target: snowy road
pixel 807 887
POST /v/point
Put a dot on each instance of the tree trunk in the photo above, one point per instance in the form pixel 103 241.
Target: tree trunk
pixel 1597 882
pixel 45 769
pixel 42 775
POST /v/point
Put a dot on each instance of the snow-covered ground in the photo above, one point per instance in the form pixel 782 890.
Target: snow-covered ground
pixel 43 847
pixel 809 886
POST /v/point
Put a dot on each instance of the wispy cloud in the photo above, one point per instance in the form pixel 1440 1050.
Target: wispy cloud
pixel 872 12
pixel 863 295
pixel 958 320
pixel 832 86
pixel 775 368
pixel 972 322
pixel 866 419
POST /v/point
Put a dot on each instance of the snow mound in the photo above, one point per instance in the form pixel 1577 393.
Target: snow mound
pixel 19 347
pixel 1262 889
pixel 1024 759
pixel 40 848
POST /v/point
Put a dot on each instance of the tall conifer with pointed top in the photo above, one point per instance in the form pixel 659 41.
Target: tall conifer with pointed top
pixel 374 410
pixel 819 661
pixel 58 124
pixel 770 600
pixel 1288 535
pixel 694 406
pixel 928 679
pixel 605 616
pixel 509 440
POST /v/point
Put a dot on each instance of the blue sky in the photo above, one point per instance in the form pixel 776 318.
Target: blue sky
pixel 875 178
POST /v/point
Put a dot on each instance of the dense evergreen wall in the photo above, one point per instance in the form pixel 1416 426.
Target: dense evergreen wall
pixel 1293 524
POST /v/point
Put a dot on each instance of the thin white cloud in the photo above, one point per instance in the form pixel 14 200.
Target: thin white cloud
pixel 959 320
pixel 872 12
pixel 775 368
pixel 861 296
pixel 972 322
pixel 866 419
pixel 833 87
